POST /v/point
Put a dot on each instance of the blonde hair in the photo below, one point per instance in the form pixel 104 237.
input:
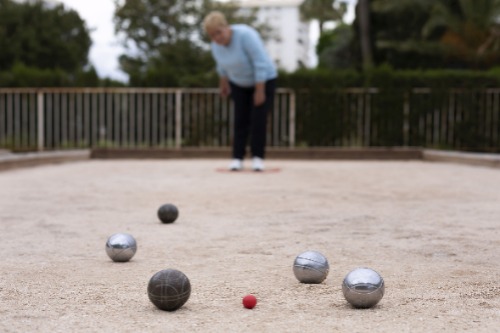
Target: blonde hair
pixel 214 20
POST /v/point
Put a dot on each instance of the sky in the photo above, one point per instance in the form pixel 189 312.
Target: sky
pixel 106 48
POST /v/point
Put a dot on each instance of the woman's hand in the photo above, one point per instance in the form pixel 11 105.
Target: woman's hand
pixel 224 88
pixel 259 96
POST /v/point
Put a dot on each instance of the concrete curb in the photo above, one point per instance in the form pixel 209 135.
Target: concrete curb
pixel 18 160
pixel 21 160
pixel 476 159
pixel 313 153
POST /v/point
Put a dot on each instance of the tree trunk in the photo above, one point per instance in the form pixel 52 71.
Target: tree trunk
pixel 364 28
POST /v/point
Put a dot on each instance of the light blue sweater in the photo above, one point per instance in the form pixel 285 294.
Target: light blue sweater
pixel 245 60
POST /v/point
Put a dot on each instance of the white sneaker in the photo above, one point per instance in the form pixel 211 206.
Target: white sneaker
pixel 236 165
pixel 257 164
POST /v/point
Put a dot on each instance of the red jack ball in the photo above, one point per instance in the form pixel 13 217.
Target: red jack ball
pixel 249 301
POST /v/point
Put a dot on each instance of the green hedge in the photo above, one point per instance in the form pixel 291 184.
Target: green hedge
pixel 387 78
pixel 21 75
pixel 455 112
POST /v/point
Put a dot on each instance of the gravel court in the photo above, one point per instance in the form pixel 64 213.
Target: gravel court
pixel 430 229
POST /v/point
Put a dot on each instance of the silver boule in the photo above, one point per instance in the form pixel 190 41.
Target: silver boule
pixel 363 287
pixel 121 247
pixel 311 267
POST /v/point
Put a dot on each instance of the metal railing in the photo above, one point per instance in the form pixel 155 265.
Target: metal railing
pixel 58 118
pixel 461 119
pixel 458 118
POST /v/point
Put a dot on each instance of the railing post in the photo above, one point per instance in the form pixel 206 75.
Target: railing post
pixel 178 118
pixel 292 121
pixel 406 119
pixel 40 121
pixel 368 115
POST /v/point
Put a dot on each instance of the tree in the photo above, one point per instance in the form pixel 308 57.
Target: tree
pixel 164 38
pixel 41 36
pixel 364 28
pixel 423 34
pixel 469 31
pixel 323 11
pixel 396 34
pixel 333 48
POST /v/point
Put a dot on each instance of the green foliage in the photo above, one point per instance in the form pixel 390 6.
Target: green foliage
pixel 334 48
pixel 318 79
pixel 44 45
pixel 41 36
pixel 21 75
pixel 397 35
pixel 323 11
pixel 385 77
pixel 433 34
pixel 453 113
pixel 166 41
pixel 470 31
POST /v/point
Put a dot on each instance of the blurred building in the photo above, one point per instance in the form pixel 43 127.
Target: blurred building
pixel 289 43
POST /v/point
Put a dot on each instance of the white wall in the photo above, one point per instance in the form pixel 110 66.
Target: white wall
pixel 290 44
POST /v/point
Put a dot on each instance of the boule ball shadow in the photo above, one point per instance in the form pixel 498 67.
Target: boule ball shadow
pixel 121 247
pixel 311 267
pixel 169 289
pixel 363 287
pixel 168 213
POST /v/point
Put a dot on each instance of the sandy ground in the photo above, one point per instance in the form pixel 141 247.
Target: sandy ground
pixel 431 230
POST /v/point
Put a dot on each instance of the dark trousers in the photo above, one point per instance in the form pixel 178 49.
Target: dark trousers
pixel 250 121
